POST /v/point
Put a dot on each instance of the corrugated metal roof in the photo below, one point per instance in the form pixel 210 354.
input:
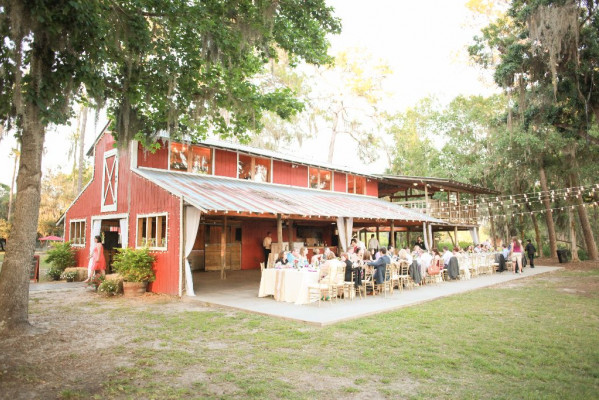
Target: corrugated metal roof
pixel 213 193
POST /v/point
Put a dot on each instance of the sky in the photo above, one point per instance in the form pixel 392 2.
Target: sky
pixel 424 43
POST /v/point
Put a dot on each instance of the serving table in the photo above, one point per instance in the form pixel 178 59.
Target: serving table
pixel 287 284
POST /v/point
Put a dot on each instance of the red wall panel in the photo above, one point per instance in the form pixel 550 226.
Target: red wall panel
pixel 225 163
pixel 299 176
pixel 372 187
pixel 282 172
pixel 157 160
pixel 252 234
pixel 340 182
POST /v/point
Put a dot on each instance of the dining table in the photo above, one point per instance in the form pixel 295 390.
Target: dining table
pixel 287 284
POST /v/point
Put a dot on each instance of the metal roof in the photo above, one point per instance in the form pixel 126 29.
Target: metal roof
pixel 219 194
pixel 402 182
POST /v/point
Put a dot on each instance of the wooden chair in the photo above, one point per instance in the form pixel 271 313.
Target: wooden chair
pixel 394 277
pixel 327 286
pixel 349 288
pixel 384 287
pixel 404 274
pixel 368 281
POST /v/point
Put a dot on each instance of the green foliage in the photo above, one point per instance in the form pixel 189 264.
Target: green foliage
pixel 4 228
pixel 61 255
pixel 68 276
pixel 109 287
pixel 134 265
pixel 54 273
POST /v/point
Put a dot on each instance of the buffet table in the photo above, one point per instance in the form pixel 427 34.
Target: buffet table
pixel 287 284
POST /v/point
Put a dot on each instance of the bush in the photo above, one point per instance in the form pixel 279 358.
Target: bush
pixel 69 276
pixel 61 256
pixel 134 265
pixel 109 287
pixel 54 273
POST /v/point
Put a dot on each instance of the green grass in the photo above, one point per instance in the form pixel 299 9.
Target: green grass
pixel 529 340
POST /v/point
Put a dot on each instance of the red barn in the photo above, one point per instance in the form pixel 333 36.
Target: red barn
pixel 212 203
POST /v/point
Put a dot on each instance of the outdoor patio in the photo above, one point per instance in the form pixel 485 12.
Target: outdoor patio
pixel 240 291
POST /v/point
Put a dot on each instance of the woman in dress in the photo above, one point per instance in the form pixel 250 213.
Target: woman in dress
pixel 517 255
pixel 303 257
pixel 97 257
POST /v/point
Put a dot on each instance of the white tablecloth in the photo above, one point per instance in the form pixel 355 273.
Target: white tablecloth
pixel 287 285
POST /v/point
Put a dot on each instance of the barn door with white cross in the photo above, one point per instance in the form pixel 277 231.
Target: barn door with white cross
pixel 110 181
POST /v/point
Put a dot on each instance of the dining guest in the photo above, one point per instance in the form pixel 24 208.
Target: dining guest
pixel 326 253
pixel 303 257
pixel 446 256
pixel 391 253
pixel 266 244
pixel 292 256
pixel 367 256
pixel 354 245
pixel 281 259
pixel 425 260
pixel 331 255
pixel 380 266
pixel 437 258
pixel 316 257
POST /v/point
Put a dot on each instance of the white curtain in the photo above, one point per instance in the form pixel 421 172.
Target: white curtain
pixel 431 237
pixel 96 230
pixel 192 222
pixel 124 232
pixel 342 237
pixel 474 235
pixel 425 235
pixel 349 230
pixel 345 227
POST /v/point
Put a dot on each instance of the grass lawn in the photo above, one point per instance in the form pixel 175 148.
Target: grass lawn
pixel 535 338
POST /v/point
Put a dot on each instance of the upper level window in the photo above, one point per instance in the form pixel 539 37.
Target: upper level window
pixel 320 179
pixel 151 231
pixel 191 158
pixel 356 184
pixel 254 168
pixel 77 232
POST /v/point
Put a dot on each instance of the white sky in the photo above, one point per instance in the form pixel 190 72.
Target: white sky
pixel 423 42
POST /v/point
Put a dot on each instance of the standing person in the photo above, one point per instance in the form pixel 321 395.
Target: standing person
pixel 266 243
pixel 373 244
pixel 97 257
pixel 517 255
pixel 530 251
pixel 420 243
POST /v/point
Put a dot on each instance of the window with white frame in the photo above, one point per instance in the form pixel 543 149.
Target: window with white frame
pixel 77 232
pixel 152 231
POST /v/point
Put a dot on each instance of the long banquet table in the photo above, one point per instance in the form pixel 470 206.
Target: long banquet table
pixel 287 285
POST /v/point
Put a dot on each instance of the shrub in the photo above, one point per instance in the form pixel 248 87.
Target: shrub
pixel 109 287
pixel 69 276
pixel 134 265
pixel 61 256
pixel 54 273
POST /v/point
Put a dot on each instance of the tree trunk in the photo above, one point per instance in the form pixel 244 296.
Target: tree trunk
pixel 548 214
pixel 81 148
pixel 537 231
pixel 573 235
pixel 12 185
pixel 333 137
pixel 14 277
pixel 493 234
pixel 521 223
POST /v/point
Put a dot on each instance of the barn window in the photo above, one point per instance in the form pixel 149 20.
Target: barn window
pixel 356 184
pixel 196 159
pixel 152 231
pixel 254 168
pixel 77 233
pixel 320 179
pixel 110 181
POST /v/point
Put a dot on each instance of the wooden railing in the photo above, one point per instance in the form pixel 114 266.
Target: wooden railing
pixel 453 212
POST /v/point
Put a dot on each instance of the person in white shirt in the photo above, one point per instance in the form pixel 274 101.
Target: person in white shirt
pixel 425 261
pixel 373 244
pixel 446 256
pixel 266 243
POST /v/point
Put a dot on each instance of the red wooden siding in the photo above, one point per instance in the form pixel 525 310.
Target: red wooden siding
pixel 157 160
pixel 340 182
pixel 145 198
pixel 225 163
pixel 252 234
pixel 372 187
pixel 281 172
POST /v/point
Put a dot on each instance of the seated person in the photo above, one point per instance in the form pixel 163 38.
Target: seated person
pixel 446 256
pixel 329 269
pixel 303 257
pixel 292 256
pixel 380 266
pixel 316 257
pixel 281 259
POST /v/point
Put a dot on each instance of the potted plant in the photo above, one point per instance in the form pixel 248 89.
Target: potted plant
pixel 135 267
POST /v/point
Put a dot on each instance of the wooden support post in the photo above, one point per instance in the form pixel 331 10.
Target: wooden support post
pixel 279 229
pixel 426 208
pixel 290 223
pixel 392 234
pixel 223 248
pixel 378 237
pixel 408 239
pixel 455 232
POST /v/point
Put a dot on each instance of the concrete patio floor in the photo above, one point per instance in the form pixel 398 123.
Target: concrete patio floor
pixel 240 291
